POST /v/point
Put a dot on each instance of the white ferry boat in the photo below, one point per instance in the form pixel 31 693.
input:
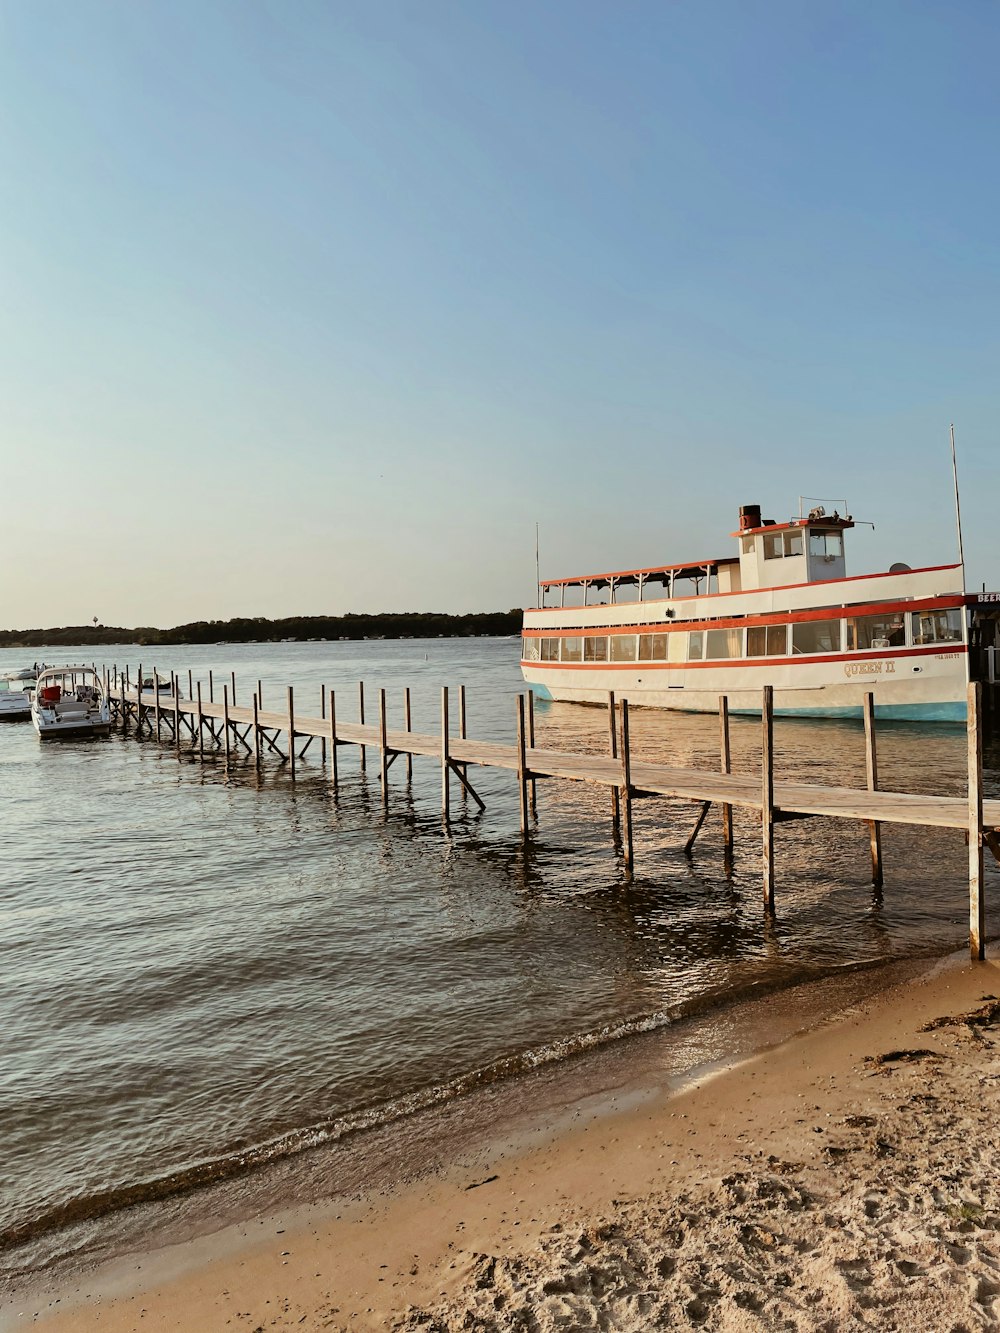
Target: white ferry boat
pixel 70 701
pixel 782 612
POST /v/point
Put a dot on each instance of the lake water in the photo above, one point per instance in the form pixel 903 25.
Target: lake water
pixel 221 990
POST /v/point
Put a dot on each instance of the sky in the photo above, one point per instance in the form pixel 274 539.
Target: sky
pixel 313 307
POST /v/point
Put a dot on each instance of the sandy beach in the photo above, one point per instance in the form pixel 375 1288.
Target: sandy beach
pixel 845 1179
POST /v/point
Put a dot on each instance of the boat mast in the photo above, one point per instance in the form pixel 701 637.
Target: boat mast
pixel 958 507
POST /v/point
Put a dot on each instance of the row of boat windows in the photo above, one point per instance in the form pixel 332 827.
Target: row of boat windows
pixel 804 637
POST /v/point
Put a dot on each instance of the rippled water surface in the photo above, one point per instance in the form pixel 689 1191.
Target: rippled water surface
pixel 206 971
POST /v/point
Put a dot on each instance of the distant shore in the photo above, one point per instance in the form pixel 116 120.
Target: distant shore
pixel 841 1180
pixel 292 629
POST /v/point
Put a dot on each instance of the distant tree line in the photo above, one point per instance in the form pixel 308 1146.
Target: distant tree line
pixel 390 625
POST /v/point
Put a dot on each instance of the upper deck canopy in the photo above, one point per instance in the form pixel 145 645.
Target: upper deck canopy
pixel 634 577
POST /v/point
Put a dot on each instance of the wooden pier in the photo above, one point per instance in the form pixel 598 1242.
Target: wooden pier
pixel 228 725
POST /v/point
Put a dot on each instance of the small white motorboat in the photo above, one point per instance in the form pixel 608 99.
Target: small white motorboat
pixel 70 701
pixel 15 701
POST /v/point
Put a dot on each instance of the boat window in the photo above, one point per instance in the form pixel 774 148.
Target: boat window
pixel 829 545
pixel 816 636
pixel 652 647
pixel 747 543
pixel 778 544
pixel 595 650
pixel 572 650
pixel 550 650
pixel 720 643
pixel 767 641
pixel 937 626
pixel 623 647
pixel 696 645
pixel 885 631
pixel 531 649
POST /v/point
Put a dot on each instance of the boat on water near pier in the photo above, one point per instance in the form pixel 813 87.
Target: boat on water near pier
pixel 15 700
pixel 782 612
pixel 70 701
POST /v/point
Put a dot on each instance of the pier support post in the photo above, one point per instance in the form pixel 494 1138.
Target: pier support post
pixel 531 746
pixel 726 765
pixel 616 812
pixel 211 688
pixel 408 723
pixel 333 738
pixel 522 767
pixel 445 757
pixel 256 733
pixel 201 733
pixel 138 702
pixel 977 906
pixel 767 794
pixel 156 704
pixel 462 769
pixel 232 681
pixel 322 713
pixel 361 718
pixel 626 792
pixel 383 756
pixel 176 687
pixel 871 772
pixel 225 719
pixel 190 685
pixel 291 731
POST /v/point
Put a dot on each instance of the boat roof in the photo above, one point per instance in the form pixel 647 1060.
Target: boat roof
pixel 688 570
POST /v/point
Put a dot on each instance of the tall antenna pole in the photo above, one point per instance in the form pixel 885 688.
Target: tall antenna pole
pixel 958 507
pixel 538 577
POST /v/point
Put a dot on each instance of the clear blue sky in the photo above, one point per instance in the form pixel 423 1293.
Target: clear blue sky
pixel 317 307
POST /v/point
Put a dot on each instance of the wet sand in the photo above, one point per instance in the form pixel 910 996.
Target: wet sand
pixel 844 1179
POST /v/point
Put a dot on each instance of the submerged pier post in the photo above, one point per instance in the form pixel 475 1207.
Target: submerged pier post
pixel 531 746
pixel 361 718
pixel 333 738
pixel 408 723
pixel 291 731
pixel 176 690
pixel 522 767
pixel 726 766
pixel 977 906
pixel 383 753
pixel 445 758
pixel 322 713
pixel 871 773
pixel 767 794
pixel 626 794
pixel 616 809
pixel 256 733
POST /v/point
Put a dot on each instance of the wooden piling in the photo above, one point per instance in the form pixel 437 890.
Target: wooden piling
pixel 871 773
pixel 225 718
pixel 256 733
pixel 977 906
pixel 201 734
pixel 333 738
pixel 445 757
pixel 408 723
pixel 156 703
pixel 522 767
pixel 232 681
pixel 138 701
pixel 461 769
pixel 211 689
pixel 322 713
pixel 360 719
pixel 383 753
pixel 726 766
pixel 190 685
pixel 176 687
pixel 531 746
pixel 767 794
pixel 291 731
pixel 626 793
pixel 616 810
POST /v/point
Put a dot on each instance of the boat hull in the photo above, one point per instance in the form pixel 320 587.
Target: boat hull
pixel 932 688
pixel 70 730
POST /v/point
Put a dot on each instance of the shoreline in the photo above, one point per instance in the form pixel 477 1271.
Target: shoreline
pixel 376 1260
